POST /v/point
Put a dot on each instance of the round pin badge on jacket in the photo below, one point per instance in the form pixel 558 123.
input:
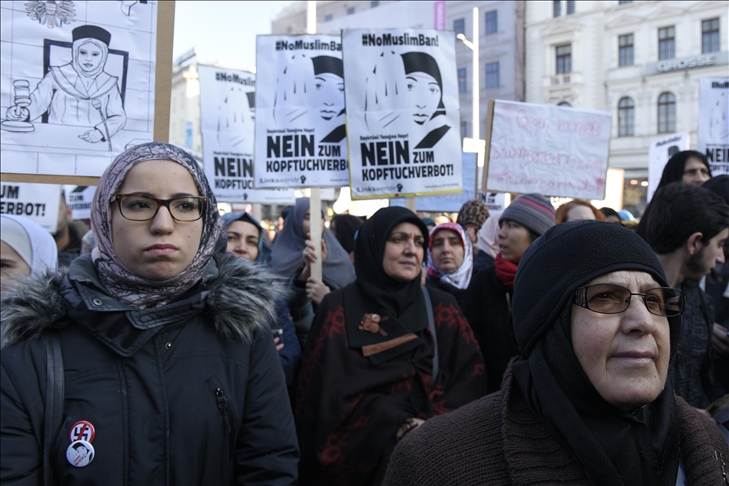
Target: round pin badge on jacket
pixel 80 453
pixel 82 430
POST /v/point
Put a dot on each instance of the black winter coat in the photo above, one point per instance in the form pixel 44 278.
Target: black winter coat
pixel 191 392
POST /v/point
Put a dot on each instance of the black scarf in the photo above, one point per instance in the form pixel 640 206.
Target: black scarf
pixel 640 447
pixel 400 304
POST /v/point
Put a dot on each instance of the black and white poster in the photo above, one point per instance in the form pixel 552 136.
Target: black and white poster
pixel 714 123
pixel 77 84
pixel 300 116
pixel 227 115
pixel 403 116
pixel 39 203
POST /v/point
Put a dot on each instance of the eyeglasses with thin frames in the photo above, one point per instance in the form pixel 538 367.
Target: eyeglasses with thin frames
pixel 615 299
pixel 140 207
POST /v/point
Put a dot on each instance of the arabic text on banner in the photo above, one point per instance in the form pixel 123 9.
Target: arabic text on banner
pixel 403 114
pixel 300 117
pixel 77 85
pixel 714 123
pixel 227 114
pixel 547 149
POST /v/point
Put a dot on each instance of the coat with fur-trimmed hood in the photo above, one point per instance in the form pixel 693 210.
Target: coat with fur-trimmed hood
pixel 189 392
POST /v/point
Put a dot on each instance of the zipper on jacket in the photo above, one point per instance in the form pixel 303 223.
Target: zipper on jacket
pixel 223 407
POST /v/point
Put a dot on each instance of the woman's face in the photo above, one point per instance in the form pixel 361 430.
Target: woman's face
pixel 695 172
pixel 447 251
pixel 11 265
pixel 404 252
pixel 579 213
pixel 243 240
pixel 625 356
pixel 424 95
pixel 513 240
pixel 90 56
pixel 329 95
pixel 160 248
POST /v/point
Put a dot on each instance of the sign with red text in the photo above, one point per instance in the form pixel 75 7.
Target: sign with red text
pixel 227 114
pixel 403 113
pixel 300 118
pixel 551 150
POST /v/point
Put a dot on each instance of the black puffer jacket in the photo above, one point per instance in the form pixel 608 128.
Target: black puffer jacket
pixel 187 393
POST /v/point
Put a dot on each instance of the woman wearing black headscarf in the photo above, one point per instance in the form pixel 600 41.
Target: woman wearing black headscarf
pixel 689 167
pixel 424 87
pixel 372 369
pixel 587 401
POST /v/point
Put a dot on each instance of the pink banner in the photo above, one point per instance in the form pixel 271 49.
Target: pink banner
pixel 439 18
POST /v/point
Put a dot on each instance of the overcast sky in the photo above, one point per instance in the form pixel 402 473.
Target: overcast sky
pixel 223 31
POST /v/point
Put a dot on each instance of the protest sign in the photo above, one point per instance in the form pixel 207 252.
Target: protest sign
pixel 78 84
pixel 79 199
pixel 547 149
pixel 300 121
pixel 227 114
pixel 659 152
pixel 714 123
pixel 37 202
pixel 452 203
pixel 403 116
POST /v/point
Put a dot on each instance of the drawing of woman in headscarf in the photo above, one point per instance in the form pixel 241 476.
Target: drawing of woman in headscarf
pixel 424 94
pixel 79 93
pixel 329 95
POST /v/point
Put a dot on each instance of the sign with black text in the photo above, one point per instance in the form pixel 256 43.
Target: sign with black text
pixel 39 203
pixel 403 114
pixel 300 118
pixel 227 114
pixel 714 123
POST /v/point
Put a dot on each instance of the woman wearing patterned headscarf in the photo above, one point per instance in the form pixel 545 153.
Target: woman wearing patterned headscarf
pixel 162 339
pixel 450 260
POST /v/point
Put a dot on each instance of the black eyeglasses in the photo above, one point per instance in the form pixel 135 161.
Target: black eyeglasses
pixel 614 299
pixel 138 207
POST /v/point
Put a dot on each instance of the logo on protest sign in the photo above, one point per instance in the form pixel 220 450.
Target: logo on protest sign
pixel 38 202
pixel 227 114
pixel 403 112
pixel 300 122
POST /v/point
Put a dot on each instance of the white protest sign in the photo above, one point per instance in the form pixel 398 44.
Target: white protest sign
pixel 660 151
pixel 39 203
pixel 714 123
pixel 77 85
pixel 79 199
pixel 300 120
pixel 403 115
pixel 227 114
pixel 547 149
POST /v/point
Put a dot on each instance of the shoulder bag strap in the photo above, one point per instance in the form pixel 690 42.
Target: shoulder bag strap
pixel 54 401
pixel 431 325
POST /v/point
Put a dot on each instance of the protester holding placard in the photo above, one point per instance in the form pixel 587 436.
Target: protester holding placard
pixel 384 355
pixel 25 249
pixel 450 260
pixel 487 303
pixel 171 373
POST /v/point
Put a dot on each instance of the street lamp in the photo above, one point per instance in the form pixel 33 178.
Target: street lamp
pixel 476 143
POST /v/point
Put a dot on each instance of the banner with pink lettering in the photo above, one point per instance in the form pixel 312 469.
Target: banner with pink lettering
pixel 552 150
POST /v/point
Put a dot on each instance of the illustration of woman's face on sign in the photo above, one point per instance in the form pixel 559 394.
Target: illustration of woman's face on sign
pixel 423 86
pixel 328 94
pixel 90 57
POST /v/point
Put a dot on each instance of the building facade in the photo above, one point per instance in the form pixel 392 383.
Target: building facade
pixel 639 60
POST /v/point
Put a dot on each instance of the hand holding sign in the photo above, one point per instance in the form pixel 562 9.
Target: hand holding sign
pixel 292 87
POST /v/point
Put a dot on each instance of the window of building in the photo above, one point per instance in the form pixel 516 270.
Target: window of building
pixel 556 8
pixel 626 117
pixel 625 50
pixel 327 18
pixel 464 128
pixel 459 26
pixel 350 10
pixel 492 75
pixel 570 7
pixel 462 80
pixel 666 113
pixel 710 36
pixel 623 2
pixel 564 104
pixel 492 22
pixel 564 59
pixel 666 43
pixel 374 4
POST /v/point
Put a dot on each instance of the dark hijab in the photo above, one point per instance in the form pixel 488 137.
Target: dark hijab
pixel 264 251
pixel 376 292
pixel 673 171
pixel 640 447
pixel 344 227
pixel 415 62
pixel 287 256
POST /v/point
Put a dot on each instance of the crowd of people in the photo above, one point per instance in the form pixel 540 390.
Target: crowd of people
pixel 168 344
